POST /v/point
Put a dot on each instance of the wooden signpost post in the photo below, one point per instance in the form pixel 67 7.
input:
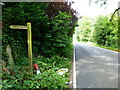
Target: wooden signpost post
pixel 29 39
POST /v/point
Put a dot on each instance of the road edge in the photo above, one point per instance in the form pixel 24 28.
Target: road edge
pixel 74 69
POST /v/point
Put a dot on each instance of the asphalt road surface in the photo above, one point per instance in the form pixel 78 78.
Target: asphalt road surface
pixel 95 67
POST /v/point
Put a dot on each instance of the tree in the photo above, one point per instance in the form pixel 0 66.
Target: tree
pixel 106 33
pixel 84 31
pixel 55 7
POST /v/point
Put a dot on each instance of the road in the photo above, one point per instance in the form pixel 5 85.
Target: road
pixel 95 67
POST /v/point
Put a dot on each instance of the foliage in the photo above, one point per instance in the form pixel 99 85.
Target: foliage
pixel 106 32
pixel 119 33
pixel 21 13
pixel 99 30
pixel 50 36
pixel 57 41
pixel 54 62
pixel 54 8
pixel 84 31
pixel 52 44
pixel 48 78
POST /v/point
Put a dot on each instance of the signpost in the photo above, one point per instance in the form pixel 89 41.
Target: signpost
pixel 29 39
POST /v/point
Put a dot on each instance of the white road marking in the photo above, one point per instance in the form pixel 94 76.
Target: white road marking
pixel 96 52
pixel 74 71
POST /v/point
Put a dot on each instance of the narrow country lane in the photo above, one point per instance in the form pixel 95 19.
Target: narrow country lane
pixel 95 67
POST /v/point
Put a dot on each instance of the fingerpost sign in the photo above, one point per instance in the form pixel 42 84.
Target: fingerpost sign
pixel 29 40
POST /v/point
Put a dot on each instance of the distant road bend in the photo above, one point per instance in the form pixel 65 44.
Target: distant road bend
pixel 95 67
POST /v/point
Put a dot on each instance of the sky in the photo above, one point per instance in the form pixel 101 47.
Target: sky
pixel 94 10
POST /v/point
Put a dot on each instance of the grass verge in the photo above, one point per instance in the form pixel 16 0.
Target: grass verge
pixel 94 44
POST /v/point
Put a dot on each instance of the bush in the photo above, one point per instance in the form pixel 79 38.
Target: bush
pixel 50 79
pixel 54 62
pixel 57 41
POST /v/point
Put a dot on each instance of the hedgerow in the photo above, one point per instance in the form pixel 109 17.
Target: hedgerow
pixel 51 42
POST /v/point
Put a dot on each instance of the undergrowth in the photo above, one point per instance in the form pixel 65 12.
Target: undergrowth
pixel 17 75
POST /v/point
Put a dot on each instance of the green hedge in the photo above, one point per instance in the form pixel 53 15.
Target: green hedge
pixel 49 36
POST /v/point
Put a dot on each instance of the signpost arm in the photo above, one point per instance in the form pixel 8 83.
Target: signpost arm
pixel 29 36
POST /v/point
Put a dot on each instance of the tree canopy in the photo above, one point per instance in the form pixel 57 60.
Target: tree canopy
pixel 99 30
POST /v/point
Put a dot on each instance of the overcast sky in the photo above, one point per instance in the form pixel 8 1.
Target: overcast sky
pixel 85 10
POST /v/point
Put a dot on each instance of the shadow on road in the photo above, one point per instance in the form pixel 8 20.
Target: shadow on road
pixel 95 70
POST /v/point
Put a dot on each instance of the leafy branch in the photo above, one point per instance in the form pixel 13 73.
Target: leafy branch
pixel 114 13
